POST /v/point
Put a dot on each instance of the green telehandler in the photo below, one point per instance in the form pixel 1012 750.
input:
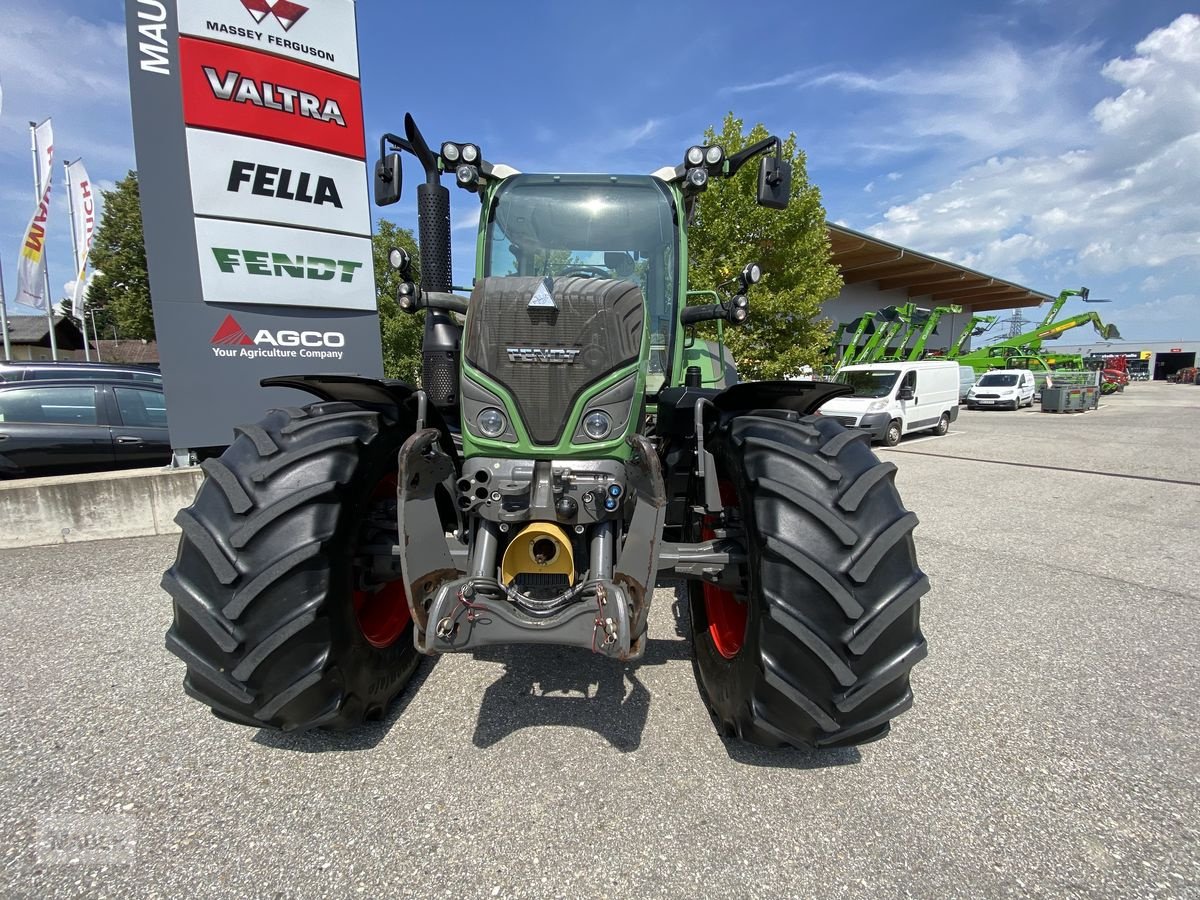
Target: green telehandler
pixel 930 327
pixel 1024 351
pixel 560 456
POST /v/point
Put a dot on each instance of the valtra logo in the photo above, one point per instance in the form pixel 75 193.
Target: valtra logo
pixel 284 11
pixel 232 340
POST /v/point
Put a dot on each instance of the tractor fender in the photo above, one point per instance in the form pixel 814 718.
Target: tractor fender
pixel 386 397
pixel 676 406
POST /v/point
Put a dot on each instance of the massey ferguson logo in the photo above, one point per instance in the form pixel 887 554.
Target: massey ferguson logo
pixel 238 88
pixel 539 355
pixel 232 340
pixel 285 12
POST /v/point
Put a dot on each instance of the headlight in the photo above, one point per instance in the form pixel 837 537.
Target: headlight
pixel 714 155
pixel 491 422
pixel 697 177
pixel 597 424
pixel 450 152
pixel 470 153
pixel 876 405
pixel 695 156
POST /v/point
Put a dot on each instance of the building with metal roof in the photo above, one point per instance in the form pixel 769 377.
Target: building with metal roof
pixel 878 274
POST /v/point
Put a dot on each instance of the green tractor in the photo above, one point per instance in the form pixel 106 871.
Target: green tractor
pixel 562 455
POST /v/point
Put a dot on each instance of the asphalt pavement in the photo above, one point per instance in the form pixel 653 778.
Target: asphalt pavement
pixel 1052 752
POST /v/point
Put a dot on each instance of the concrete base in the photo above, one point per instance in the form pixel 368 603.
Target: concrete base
pixel 94 507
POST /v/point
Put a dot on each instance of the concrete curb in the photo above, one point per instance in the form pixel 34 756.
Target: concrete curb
pixel 36 512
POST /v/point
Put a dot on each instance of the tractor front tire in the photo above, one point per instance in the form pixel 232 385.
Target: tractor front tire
pixel 815 648
pixel 274 616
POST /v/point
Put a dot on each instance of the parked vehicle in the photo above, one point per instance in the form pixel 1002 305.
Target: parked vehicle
pixel 56 428
pixel 44 370
pixel 1003 388
pixel 966 381
pixel 894 399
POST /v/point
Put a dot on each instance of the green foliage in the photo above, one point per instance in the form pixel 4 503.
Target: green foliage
pixel 785 330
pixel 400 332
pixel 120 294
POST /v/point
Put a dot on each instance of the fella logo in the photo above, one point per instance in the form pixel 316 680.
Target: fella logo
pixel 286 13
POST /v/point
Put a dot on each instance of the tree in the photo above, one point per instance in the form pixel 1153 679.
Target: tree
pixel 120 292
pixel 730 229
pixel 401 333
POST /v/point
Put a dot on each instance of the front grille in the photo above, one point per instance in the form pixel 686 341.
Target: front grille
pixel 987 396
pixel 848 421
pixel 600 318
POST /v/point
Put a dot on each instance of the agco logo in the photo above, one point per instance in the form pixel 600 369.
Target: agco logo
pixel 286 13
pixel 232 340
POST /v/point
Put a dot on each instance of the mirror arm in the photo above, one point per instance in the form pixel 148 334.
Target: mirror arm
pixel 744 156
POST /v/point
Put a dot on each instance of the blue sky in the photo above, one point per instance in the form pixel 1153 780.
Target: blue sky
pixel 1053 143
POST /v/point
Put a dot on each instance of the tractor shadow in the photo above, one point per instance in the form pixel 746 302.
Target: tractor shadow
pixel 570 687
pixel 365 737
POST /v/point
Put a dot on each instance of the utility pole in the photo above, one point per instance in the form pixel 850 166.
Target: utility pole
pixel 1016 325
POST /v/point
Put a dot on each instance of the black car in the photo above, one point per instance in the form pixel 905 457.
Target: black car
pixel 45 370
pixel 81 425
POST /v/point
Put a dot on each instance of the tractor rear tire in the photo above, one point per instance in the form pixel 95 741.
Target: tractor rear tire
pixel 272 617
pixel 830 603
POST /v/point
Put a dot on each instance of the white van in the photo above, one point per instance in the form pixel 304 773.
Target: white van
pixel 1002 389
pixel 897 398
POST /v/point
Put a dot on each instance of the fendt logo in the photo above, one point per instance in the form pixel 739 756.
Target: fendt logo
pixel 231 340
pixel 539 355
pixel 285 12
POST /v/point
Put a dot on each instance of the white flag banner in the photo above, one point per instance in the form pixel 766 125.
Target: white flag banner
pixel 83 214
pixel 31 264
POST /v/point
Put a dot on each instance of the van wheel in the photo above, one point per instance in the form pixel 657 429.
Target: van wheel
pixel 891 437
pixel 943 425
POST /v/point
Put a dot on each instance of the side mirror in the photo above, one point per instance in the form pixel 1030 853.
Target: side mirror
pixel 905 393
pixel 389 178
pixel 774 182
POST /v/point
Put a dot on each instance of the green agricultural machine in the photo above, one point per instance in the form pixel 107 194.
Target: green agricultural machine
pixel 1024 351
pixel 561 456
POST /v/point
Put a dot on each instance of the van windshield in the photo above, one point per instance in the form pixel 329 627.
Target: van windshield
pixel 875 383
pixel 996 380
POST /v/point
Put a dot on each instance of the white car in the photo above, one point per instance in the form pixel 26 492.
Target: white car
pixel 1002 389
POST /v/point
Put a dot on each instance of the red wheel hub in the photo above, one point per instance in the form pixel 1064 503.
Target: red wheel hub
pixel 382 614
pixel 726 616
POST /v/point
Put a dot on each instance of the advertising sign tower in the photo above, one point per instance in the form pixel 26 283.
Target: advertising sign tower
pixel 248 128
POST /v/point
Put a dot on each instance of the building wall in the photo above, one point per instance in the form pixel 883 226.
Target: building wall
pixel 1158 367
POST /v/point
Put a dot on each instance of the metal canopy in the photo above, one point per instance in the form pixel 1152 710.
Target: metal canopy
pixel 863 258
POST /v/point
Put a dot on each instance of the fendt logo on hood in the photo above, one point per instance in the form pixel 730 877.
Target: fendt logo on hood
pixel 232 340
pixel 285 12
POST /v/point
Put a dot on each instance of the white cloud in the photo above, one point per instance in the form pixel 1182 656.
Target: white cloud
pixel 1122 196
pixel 1175 310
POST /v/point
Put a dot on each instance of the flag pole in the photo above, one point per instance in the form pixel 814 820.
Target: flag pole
pixel 87 355
pixel 4 316
pixel 37 192
pixel 3 299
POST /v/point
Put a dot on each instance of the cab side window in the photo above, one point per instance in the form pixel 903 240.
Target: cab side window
pixel 910 380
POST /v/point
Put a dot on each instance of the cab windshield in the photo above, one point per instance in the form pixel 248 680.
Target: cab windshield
pixel 595 226
pixel 874 384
